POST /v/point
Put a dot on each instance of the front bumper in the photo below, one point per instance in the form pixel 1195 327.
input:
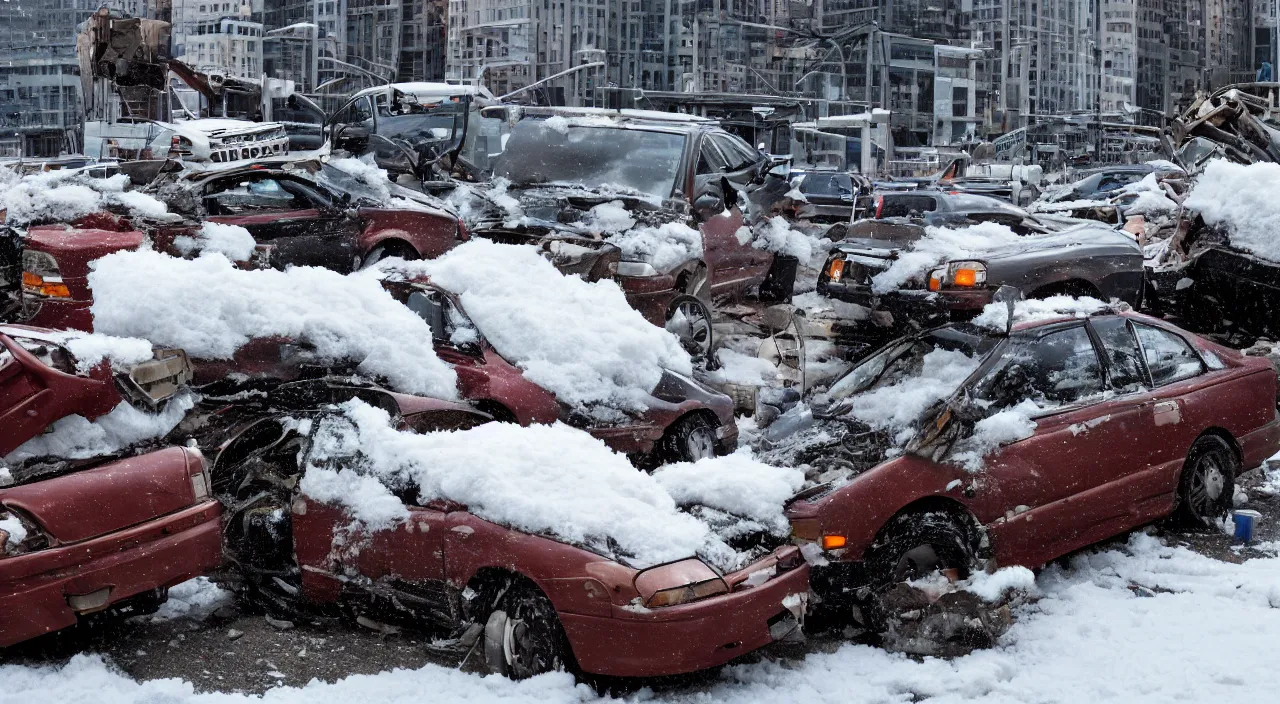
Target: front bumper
pixel 35 587
pixel 637 642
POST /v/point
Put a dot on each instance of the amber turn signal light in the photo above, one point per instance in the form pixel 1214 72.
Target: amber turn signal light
pixel 966 277
pixel 833 542
pixel 836 271
pixel 32 283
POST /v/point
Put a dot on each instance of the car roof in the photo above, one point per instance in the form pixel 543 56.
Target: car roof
pixel 424 89
pixel 674 119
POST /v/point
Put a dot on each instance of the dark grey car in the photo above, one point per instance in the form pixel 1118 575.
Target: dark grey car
pixel 942 208
pixel 1087 260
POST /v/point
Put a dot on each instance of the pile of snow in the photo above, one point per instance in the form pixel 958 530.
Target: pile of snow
pixel 895 407
pixel 995 316
pixel 1089 638
pixel 366 170
pixel 741 369
pixel 664 247
pixel 13 528
pixel 193 600
pixel 1001 428
pixel 1244 200
pixel 581 341
pixel 776 235
pixel 736 484
pixel 233 241
pixel 991 587
pixel 76 437
pixel 544 480
pixel 610 217
pixel 210 308
pixel 940 245
pixel 497 194
pixel 1152 199
pixel 89 349
pixel 63 196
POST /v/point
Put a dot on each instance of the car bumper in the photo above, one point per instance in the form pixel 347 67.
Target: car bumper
pixel 35 588
pixel 679 639
pixel 1257 446
pixel 650 295
pixel 58 313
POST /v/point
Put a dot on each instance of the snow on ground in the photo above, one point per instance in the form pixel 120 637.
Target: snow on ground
pixel 76 437
pixel 62 196
pixel 1243 199
pixel 550 480
pixel 194 600
pixel 231 240
pixel 1090 638
pixel 579 340
pixel 210 308
pixel 940 245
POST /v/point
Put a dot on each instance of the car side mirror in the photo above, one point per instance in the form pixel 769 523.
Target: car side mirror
pixel 708 205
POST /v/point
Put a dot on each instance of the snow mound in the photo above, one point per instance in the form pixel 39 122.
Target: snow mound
pixel 940 245
pixel 896 407
pixel 544 480
pixel 210 308
pixel 579 340
pixel 57 196
pixel 995 316
pixel 91 348
pixel 992 587
pixel 776 235
pixel 609 217
pixel 231 240
pixel 76 437
pixel 1244 200
pixel 736 484
pixel 13 528
pixel 366 170
pixel 742 369
pixel 664 247
pixel 1001 428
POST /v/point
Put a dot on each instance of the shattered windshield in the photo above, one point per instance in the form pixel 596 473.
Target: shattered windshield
pixel 410 120
pixel 556 151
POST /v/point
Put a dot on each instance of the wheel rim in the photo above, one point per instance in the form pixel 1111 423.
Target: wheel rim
pixel 526 650
pixel 700 444
pixel 690 323
pixel 1208 482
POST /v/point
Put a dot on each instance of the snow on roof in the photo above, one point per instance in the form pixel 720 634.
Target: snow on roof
pixel 1245 201
pixel 545 480
pixel 940 245
pixel 63 196
pixel 581 341
pixel 210 308
pixel 995 316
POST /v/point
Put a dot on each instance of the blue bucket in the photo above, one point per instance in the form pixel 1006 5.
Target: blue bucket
pixel 1245 520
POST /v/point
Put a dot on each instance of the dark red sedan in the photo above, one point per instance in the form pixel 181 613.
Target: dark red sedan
pixel 87 536
pixel 1057 435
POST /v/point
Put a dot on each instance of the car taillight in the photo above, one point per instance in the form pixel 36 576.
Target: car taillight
pixel 41 276
pixel 835 269
pixel 879 206
pixel 201 484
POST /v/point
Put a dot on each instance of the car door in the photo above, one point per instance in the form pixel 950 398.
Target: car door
pixel 295 223
pixel 742 171
pixel 34 392
pixel 727 261
pixel 1048 494
pixel 353 126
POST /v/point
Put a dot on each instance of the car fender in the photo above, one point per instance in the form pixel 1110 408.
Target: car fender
pixel 430 233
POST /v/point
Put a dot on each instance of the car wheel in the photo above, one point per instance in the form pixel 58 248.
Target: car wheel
pixel 689 319
pixel 1208 483
pixel 386 251
pixel 689 439
pixel 523 637
pixel 911 546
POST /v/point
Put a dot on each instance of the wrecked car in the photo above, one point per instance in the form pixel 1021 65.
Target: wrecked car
pixel 297 213
pixel 655 201
pixel 1087 260
pixel 951 209
pixel 832 196
pixel 522 602
pixel 99 534
pixel 1236 122
pixel 972 445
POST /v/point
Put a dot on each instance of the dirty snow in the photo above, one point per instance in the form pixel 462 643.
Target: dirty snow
pixel 553 480
pixel 938 246
pixel 664 247
pixel 895 407
pixel 210 308
pixel 76 437
pixel 995 316
pixel 1244 200
pixel 581 341
pixel 776 235
pixel 193 600
pixel 13 528
pixel 63 196
pixel 736 483
pixel 1090 638
pixel 231 240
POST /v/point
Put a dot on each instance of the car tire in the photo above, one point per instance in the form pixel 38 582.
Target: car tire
pixel 523 637
pixel 1207 486
pixel 689 439
pixel 911 546
pixel 386 251
pixel 689 319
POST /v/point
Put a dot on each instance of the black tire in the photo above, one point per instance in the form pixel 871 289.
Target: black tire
pixel 523 636
pixel 1207 487
pixel 689 319
pixel 387 250
pixel 689 439
pixel 913 545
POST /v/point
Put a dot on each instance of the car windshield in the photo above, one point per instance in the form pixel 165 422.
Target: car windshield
pixel 410 120
pixel 340 181
pixel 555 151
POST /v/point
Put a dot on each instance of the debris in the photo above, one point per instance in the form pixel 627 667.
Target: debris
pixel 233 634
pixel 385 629
pixel 952 624
pixel 279 624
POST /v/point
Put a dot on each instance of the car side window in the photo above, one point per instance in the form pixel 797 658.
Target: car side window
pixel 1121 353
pixel 711 161
pixel 738 154
pixel 239 197
pixel 1169 358
pixel 1058 369
pixel 905 205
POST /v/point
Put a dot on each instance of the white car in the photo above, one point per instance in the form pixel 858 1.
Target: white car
pixel 216 140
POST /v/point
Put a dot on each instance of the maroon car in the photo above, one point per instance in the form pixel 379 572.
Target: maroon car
pixel 1124 420
pixel 299 213
pixel 80 537
pixel 528 603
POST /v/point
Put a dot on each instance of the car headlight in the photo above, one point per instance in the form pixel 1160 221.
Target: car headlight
pixel 835 268
pixel 961 274
pixel 41 276
pixel 632 269
pixel 679 583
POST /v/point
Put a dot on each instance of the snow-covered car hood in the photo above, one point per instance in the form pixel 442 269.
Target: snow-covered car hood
pixel 216 128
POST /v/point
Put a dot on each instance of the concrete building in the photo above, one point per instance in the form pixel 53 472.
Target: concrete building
pixel 219 36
